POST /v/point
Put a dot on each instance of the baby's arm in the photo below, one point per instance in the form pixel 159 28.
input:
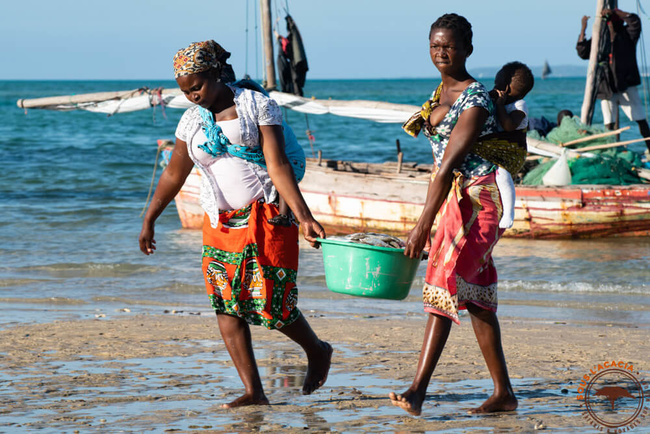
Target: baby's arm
pixel 509 121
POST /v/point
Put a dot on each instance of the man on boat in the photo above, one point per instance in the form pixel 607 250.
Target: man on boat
pixel 618 77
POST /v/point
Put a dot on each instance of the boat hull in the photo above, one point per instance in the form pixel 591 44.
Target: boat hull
pixel 362 197
pixel 187 203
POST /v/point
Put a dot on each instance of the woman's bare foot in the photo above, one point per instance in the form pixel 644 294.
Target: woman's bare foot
pixel 410 401
pixel 496 403
pixel 247 399
pixel 317 370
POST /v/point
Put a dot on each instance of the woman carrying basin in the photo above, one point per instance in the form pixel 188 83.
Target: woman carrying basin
pixel 464 195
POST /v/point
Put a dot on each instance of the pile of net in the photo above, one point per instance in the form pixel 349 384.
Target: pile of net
pixel 613 166
pixel 372 239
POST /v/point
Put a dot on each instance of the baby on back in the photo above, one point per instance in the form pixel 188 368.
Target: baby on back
pixel 505 148
pixel 511 84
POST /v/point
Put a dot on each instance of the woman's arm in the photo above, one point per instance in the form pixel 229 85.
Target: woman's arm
pixel 281 173
pixel 463 137
pixel 170 183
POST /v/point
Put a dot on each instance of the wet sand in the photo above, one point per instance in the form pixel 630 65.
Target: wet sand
pixel 139 373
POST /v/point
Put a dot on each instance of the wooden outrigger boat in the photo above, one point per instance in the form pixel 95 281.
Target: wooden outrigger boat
pixel 349 196
pixel 388 197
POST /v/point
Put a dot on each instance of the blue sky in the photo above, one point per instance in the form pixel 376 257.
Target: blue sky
pixel 136 39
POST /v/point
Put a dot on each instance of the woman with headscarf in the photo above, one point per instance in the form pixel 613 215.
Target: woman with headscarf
pixel 234 135
pixel 464 195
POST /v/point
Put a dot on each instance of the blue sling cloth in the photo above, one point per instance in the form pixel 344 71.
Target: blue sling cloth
pixel 218 143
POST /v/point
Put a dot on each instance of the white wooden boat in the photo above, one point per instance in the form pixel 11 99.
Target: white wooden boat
pixel 347 197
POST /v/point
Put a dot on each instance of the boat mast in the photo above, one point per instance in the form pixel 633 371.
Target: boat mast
pixel 267 37
pixel 593 60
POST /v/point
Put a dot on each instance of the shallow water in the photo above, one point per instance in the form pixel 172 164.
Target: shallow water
pixel 73 186
pixel 172 393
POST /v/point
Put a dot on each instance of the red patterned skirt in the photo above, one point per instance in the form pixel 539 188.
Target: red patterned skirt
pixel 460 269
pixel 250 266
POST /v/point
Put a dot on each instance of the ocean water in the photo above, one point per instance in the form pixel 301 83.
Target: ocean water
pixel 73 185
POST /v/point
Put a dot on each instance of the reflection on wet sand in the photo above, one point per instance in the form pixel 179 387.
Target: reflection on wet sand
pixel 284 376
pixel 169 372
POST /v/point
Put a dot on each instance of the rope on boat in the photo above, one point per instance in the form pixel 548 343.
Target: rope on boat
pixel 257 54
pixel 153 179
pixel 310 137
pixel 257 57
pixel 277 17
pixel 139 91
pixel 247 45
pixel 153 102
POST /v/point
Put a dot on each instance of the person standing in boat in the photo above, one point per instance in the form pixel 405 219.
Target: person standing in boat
pixel 619 78
pixel 234 136
pixel 464 195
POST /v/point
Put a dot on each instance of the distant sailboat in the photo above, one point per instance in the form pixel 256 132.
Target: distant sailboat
pixel 546 70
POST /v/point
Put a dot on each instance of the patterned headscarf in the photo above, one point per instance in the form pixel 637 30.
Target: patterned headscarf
pixel 200 57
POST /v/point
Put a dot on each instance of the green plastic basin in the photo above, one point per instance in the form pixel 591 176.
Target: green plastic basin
pixel 367 271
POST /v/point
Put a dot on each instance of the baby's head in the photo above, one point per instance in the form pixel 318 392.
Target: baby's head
pixel 517 77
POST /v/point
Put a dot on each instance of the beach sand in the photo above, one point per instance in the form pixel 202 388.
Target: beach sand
pixel 171 372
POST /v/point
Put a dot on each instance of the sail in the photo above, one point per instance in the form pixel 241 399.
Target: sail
pixel 144 98
pixel 110 102
pixel 292 60
pixel 546 70
pixel 377 111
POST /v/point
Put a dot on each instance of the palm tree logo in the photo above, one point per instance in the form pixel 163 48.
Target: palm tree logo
pixel 617 387
pixel 613 393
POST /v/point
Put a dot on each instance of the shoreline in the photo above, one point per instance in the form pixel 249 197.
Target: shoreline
pixel 141 372
pixel 610 308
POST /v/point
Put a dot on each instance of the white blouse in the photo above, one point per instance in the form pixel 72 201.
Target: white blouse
pixel 230 182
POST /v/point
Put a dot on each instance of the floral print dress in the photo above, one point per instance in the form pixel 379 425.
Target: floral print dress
pixel 475 95
pixel 460 269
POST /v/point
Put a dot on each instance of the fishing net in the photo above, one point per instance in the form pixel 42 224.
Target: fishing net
pixel 572 129
pixel 535 175
pixel 598 169
pixel 602 169
pixel 535 135
pixel 633 158
pixel 613 166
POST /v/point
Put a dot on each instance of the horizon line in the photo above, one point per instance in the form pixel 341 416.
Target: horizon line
pixel 552 76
